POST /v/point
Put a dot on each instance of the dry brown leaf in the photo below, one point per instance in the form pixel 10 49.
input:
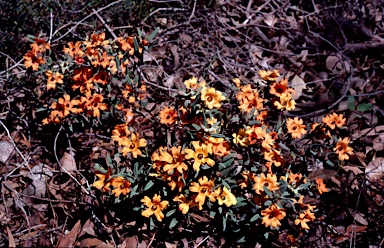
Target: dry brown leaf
pixel 105 245
pixel 298 85
pixel 169 245
pixel 6 150
pixel 88 227
pixel 270 20
pixel 354 169
pixel 89 242
pixel 70 239
pixel 337 65
pixel 323 173
pixel 11 240
pixel 175 54
pixel 375 169
pixel 378 143
pixel 40 175
pixel 131 242
pixel 68 162
pixel 359 218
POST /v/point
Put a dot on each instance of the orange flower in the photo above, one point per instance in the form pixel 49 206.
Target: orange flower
pixel 281 87
pixel 237 82
pixel 251 101
pixel 127 45
pixel 212 97
pixel 174 160
pixel 269 181
pixel 257 133
pixel 269 75
pixel 342 149
pixel 103 61
pixel 53 79
pixel 121 186
pixel 120 133
pixel 296 128
pixel 247 176
pixel 184 203
pixel 286 102
pixel 155 206
pixel 132 146
pixel 65 105
pixel 301 205
pixel 334 120
pixel 204 189
pixel 200 155
pixel 83 78
pixel 220 146
pixel 31 59
pixel 295 178
pixel 74 49
pixel 104 180
pixel 168 115
pixel 274 157
pixel 94 103
pixel 302 220
pixel 321 187
pixel 192 83
pixel 101 77
pixel 272 216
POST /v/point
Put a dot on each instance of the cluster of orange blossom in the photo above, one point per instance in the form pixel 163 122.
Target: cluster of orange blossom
pixel 231 155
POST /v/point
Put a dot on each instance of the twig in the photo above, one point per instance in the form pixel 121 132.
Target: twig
pixel 161 9
pixel 85 18
pixel 193 11
pixel 64 169
pixel 51 29
pixel 18 151
pixel 105 24
pixel 201 242
pixel 156 85
pixel 153 237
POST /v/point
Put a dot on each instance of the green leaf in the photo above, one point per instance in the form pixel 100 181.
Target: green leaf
pixel 196 127
pixel 224 223
pixel 173 223
pixel 351 103
pixel 109 161
pixel 255 217
pixel 99 168
pixel 217 135
pixel 153 34
pixel 364 107
pixel 242 240
pixel 41 109
pixel 267 191
pixel 228 162
pixel 330 163
pixel 170 212
pixel 148 186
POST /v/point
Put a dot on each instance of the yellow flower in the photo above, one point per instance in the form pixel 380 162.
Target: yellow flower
pixel 342 149
pixel 269 181
pixel 121 186
pixel 93 103
pixel 200 155
pixel 296 128
pixel 241 137
pixel 286 102
pixel 334 120
pixel 155 206
pixel 204 189
pixel 212 97
pixel 132 146
pixel 168 115
pixel 225 196
pixel 257 133
pixel 272 216
pixel 192 83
